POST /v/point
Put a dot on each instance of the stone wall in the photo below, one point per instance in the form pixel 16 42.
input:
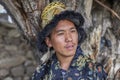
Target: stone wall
pixel 17 61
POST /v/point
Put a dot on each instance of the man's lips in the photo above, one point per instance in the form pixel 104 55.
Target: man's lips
pixel 69 47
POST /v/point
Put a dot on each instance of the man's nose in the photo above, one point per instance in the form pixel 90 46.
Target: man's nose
pixel 68 37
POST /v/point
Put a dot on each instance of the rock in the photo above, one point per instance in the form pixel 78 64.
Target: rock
pixel 12 61
pixel 3 72
pixel 28 63
pixel 11 48
pixel 26 78
pixel 1 39
pixel 3 16
pixel 3 31
pixel 7 40
pixel 14 33
pixel 30 70
pixel 3 54
pixel 119 48
pixel 18 78
pixel 21 52
pixel 17 71
pixel 8 78
pixel 30 55
pixel 1 45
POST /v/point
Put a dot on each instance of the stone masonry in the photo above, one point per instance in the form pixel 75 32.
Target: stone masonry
pixel 17 61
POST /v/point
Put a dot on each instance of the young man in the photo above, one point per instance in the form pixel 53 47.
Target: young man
pixel 62 33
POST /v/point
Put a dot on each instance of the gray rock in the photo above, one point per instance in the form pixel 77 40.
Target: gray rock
pixel 12 61
pixel 17 71
pixel 30 55
pixel 3 54
pixel 28 63
pixel 8 78
pixel 18 78
pixel 13 33
pixel 21 52
pixel 30 70
pixel 1 45
pixel 1 39
pixel 3 31
pixel 3 72
pixel 26 78
pixel 11 47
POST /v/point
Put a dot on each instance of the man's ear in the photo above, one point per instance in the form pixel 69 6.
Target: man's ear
pixel 48 42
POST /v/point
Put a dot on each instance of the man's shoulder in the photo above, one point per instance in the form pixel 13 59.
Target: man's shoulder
pixel 83 59
pixel 43 66
pixel 41 70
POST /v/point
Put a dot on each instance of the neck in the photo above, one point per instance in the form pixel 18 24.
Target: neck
pixel 65 62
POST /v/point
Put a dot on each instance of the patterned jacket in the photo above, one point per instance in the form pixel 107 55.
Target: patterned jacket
pixel 78 70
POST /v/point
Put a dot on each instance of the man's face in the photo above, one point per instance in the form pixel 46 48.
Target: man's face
pixel 90 65
pixel 99 68
pixel 64 39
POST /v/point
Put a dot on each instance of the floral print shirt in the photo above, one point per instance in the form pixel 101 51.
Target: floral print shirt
pixel 80 69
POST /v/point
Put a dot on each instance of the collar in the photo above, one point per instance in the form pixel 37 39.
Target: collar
pixel 78 53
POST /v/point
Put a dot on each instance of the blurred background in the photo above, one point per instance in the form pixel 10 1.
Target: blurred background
pixel 17 61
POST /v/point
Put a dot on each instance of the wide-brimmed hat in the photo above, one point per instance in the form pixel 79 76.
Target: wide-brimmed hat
pixel 51 15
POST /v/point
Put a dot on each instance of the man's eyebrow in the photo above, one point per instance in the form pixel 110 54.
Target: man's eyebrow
pixel 60 30
pixel 57 31
pixel 73 28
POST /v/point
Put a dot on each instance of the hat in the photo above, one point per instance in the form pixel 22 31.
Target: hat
pixel 51 15
pixel 51 10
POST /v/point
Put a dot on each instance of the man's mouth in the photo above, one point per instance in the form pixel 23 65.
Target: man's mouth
pixel 69 47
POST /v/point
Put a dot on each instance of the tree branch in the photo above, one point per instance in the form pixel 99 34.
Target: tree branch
pixel 112 11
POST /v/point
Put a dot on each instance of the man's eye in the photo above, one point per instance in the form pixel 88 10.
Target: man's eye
pixel 60 33
pixel 73 30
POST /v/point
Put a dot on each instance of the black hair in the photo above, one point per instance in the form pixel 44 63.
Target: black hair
pixel 75 17
pixel 99 65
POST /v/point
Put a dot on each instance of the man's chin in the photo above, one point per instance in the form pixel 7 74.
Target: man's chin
pixel 70 53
